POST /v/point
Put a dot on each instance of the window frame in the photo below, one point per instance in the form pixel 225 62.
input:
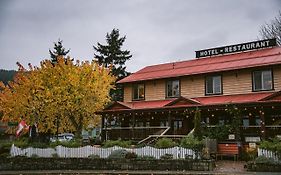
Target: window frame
pixel 253 80
pixel 166 89
pixel 133 91
pixel 221 85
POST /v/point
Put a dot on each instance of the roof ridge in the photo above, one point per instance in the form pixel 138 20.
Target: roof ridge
pixel 251 57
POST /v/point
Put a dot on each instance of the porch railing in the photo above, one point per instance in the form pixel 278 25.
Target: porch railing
pixel 135 133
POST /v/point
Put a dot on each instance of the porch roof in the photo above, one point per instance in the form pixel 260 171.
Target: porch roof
pixel 262 97
pixel 264 57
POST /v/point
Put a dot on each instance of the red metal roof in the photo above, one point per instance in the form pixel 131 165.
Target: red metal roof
pixel 148 104
pixel 233 99
pixel 200 101
pixel 271 56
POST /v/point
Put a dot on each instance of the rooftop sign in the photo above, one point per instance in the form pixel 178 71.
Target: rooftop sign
pixel 236 48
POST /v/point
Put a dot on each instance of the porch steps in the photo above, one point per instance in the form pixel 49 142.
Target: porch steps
pixel 154 136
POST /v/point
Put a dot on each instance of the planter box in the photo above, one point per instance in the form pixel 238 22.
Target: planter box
pixel 23 163
pixel 263 167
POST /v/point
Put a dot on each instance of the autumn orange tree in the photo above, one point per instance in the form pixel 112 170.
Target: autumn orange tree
pixel 64 92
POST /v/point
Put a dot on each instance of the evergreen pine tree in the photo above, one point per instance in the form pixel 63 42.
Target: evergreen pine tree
pixel 111 55
pixel 59 50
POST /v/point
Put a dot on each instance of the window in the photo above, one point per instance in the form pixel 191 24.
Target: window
pixel 138 92
pixel 262 80
pixel 213 85
pixel 164 123
pixel 246 121
pixel 177 124
pixel 257 121
pixel 173 88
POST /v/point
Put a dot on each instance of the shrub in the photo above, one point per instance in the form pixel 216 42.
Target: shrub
pixel 5 155
pixel 165 143
pixel 69 144
pixel 167 157
pixel 273 145
pixel 34 156
pixel 264 160
pixel 146 158
pixel 55 155
pixel 192 143
pixel 39 145
pixel 131 155
pixel 219 132
pixel 249 154
pixel 22 142
pixel 118 154
pixel 94 156
pixel 111 143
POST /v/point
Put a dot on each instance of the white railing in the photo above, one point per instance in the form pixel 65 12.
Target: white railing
pixel 268 154
pixel 86 151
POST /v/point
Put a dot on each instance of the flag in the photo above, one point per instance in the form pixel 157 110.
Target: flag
pixel 21 126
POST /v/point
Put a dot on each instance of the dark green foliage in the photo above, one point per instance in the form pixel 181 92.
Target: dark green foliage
pixel 55 155
pixel 94 156
pixel 146 158
pixel 34 156
pixel 59 50
pixel 197 125
pixel 236 121
pixel 70 144
pixel 194 144
pixel 111 143
pixel 273 145
pixel 22 142
pixel 219 132
pixel 112 55
pixel 165 143
pixel 5 148
pixel 167 157
pixel 249 155
pixel 118 154
pixel 131 155
pixel 7 75
pixel 265 160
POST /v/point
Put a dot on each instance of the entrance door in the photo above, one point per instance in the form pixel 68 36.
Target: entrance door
pixel 178 127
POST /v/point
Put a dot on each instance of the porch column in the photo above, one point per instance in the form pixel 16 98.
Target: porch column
pixel 169 120
pixel 263 129
pixel 133 127
pixel 103 132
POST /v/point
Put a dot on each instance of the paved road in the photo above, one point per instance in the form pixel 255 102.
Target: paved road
pixel 90 172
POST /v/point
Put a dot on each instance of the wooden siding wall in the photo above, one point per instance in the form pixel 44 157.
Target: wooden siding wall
pixel 155 90
pixel 237 82
pixel 234 82
pixel 277 78
pixel 127 92
pixel 193 86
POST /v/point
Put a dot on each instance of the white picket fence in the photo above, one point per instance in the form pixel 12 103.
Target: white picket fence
pixel 86 151
pixel 268 154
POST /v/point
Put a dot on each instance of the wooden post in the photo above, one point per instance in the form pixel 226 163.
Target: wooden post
pixel 133 127
pixel 263 128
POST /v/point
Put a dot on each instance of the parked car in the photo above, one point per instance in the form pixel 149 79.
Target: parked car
pixel 64 137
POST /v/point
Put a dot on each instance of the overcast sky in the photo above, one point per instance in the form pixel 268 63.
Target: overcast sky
pixel 157 31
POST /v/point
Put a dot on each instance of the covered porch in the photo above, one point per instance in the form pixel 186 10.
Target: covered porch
pixel 260 117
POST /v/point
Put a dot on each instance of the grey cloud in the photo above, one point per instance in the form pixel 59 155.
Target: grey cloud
pixel 157 31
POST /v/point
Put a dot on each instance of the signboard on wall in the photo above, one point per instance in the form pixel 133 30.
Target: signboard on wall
pixel 236 48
